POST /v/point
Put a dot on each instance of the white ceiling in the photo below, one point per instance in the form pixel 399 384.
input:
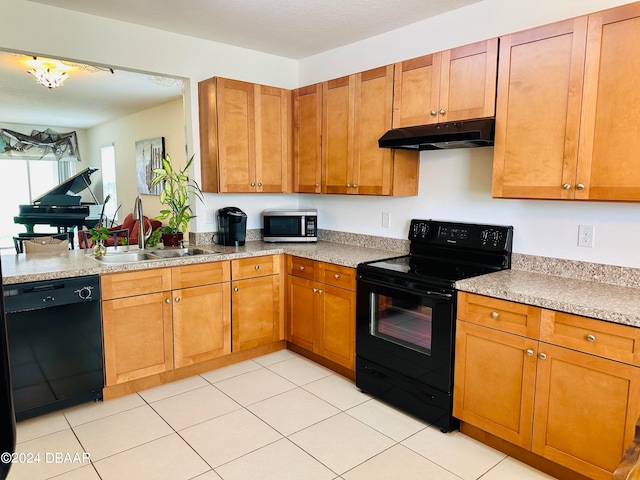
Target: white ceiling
pixel 288 28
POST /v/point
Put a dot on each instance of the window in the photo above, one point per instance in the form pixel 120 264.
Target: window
pixel 20 182
pixel 108 159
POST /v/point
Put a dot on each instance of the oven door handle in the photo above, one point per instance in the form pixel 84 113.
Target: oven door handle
pixel 409 290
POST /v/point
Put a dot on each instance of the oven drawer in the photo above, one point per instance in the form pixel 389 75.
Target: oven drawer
pixel 502 315
pixel 609 340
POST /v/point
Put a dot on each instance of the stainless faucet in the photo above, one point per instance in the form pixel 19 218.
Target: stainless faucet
pixel 138 215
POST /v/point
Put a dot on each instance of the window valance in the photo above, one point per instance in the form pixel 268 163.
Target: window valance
pixel 64 146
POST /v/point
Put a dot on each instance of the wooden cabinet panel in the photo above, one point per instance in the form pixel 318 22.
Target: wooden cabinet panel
pixel 137 337
pixel 538 109
pixel 302 312
pixel 303 267
pixel 307 139
pixel 337 337
pixel 608 161
pixel 499 314
pixel 338 276
pixel 199 274
pixel 255 312
pixel 586 412
pixel 494 382
pixel 201 323
pixel 609 340
pixel 139 282
pixel 457 84
pixel 337 133
pixel 236 135
pixel 371 171
pixel 255 267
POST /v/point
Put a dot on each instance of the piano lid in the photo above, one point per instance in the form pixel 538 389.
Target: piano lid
pixel 74 184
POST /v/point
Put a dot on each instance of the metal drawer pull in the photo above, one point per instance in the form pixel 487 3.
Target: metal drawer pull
pixel 235 289
pixel 167 300
pixel 177 299
pixel 495 314
pixel 591 338
pixel 257 267
pixel 542 356
pixel 315 290
pixel 566 186
pixel 336 276
pixel 529 352
pixel 301 267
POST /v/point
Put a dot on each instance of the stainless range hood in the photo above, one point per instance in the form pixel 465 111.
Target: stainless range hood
pixel 462 134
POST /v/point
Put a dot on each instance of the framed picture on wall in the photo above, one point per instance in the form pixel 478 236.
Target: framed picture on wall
pixel 149 154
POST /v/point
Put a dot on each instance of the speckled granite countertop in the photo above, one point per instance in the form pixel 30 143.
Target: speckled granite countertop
pixel 34 267
pixel 603 301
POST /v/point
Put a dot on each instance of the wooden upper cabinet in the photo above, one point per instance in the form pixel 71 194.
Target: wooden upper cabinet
pixel 245 132
pixel 307 138
pixel 538 111
pixel 608 160
pixel 456 84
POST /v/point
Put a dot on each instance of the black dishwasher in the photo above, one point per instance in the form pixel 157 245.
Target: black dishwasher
pixel 55 344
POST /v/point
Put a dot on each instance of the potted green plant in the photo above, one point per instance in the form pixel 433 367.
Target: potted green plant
pixel 99 235
pixel 176 187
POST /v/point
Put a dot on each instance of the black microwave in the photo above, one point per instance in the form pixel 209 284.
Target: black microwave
pixel 290 225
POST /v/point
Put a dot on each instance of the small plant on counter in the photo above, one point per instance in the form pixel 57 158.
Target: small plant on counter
pixel 176 187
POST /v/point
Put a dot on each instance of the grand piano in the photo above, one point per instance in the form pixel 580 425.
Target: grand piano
pixel 60 207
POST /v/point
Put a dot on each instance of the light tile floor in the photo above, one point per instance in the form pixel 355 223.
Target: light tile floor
pixel 279 416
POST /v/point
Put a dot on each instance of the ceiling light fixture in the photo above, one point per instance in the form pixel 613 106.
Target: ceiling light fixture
pixel 47 72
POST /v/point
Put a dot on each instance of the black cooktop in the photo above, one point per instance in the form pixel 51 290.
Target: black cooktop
pixel 445 252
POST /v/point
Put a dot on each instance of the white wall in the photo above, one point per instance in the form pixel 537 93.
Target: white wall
pixel 163 121
pixel 542 227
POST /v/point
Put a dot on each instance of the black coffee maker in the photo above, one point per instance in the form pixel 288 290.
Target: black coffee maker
pixel 232 226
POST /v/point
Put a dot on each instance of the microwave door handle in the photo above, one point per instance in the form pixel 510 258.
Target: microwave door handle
pixel 303 226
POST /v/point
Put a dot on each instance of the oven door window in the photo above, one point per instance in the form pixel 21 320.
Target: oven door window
pixel 404 321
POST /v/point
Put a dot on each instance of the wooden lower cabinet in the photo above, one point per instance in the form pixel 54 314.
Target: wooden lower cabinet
pixel 572 407
pixel 167 318
pixel 255 299
pixel 321 316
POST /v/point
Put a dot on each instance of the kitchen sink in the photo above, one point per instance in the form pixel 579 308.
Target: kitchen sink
pixel 146 255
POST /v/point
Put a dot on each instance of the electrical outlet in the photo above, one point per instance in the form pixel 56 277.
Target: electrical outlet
pixel 386 219
pixel 210 217
pixel 585 236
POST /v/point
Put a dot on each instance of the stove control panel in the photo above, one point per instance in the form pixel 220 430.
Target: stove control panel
pixel 468 235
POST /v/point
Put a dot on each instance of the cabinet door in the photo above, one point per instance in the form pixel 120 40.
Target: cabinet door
pixel 307 121
pixel 538 111
pixel 468 81
pixel 138 337
pixel 417 91
pixel 273 139
pixel 337 134
pixel 303 314
pixel 208 119
pixel 236 135
pixel 201 323
pixel 494 382
pixel 255 312
pixel 337 335
pixel 609 165
pixel 586 409
pixel 372 171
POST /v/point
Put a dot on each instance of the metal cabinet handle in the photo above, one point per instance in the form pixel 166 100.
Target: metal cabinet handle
pixel 315 290
pixel 317 184
pixel 235 289
pixel 355 185
pixel 566 186
pixel 301 267
pixel 336 276
pixel 591 338
pixel 167 300
pixel 253 184
pixel 442 112
pixel 259 184
pixel 433 113
pixel 348 185
pixel 177 299
pixel 542 356
pixel 320 291
pixel 495 314
pixel 529 352
pixel 257 267
pixel 580 186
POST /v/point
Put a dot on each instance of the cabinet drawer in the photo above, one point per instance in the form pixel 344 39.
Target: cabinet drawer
pixel 338 276
pixel 139 282
pixel 499 314
pixel 302 267
pixel 254 267
pixel 200 274
pixel 609 340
